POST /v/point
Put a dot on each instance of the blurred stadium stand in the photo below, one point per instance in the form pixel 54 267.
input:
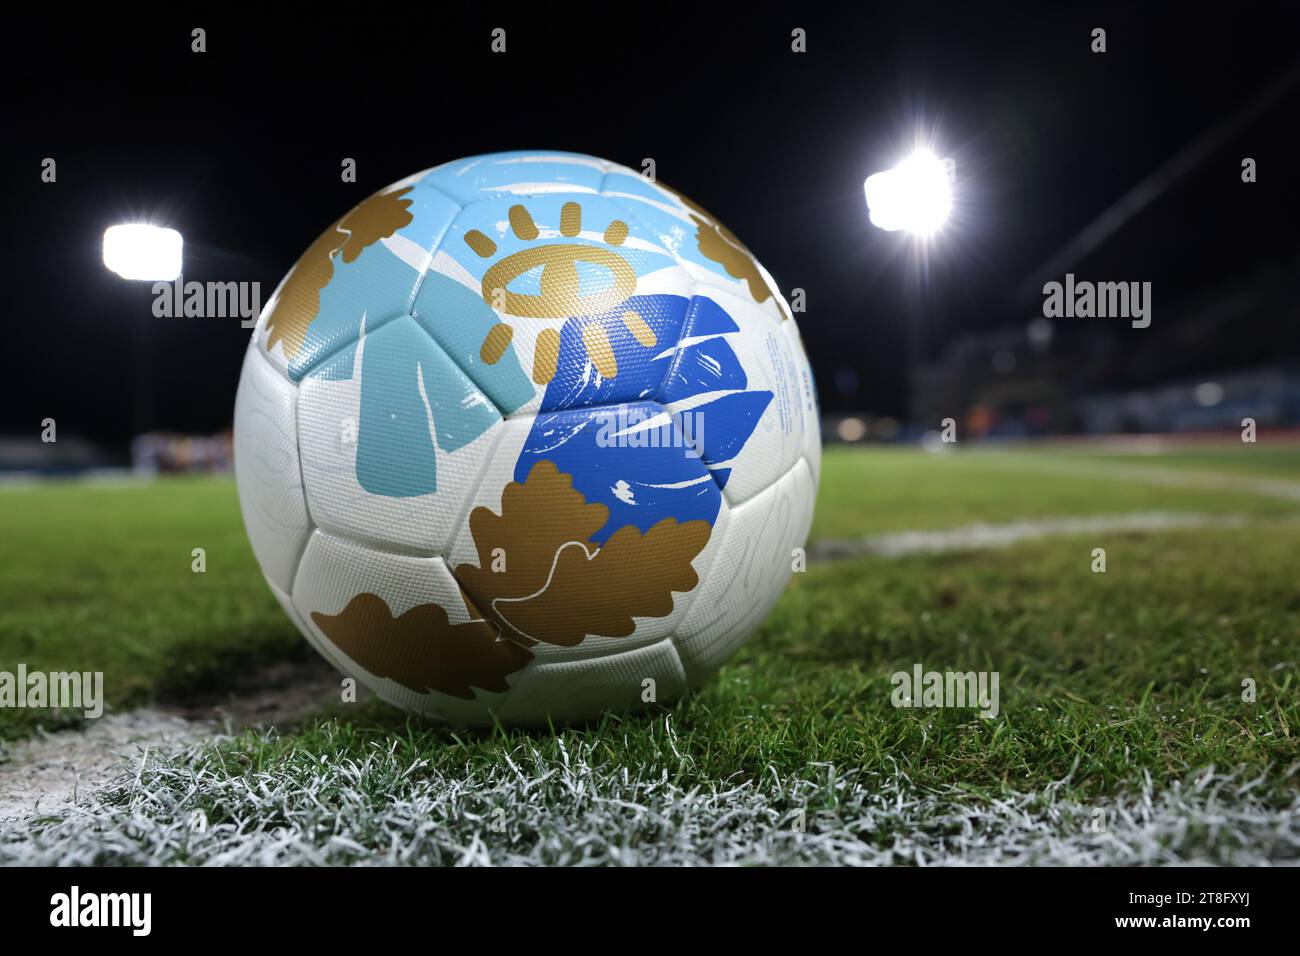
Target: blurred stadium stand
pixel 31 457
pixel 164 453
pixel 150 454
pixel 1196 369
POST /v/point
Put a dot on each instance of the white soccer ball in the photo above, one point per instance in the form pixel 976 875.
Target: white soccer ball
pixel 526 435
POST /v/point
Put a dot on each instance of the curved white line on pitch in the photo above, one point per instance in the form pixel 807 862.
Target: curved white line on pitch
pixel 979 536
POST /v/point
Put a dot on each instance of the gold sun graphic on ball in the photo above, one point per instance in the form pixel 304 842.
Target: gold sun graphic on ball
pixel 560 294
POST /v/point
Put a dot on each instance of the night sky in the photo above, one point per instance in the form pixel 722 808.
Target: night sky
pixel 239 149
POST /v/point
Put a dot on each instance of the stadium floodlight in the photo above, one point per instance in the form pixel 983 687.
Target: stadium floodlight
pixel 916 195
pixel 141 251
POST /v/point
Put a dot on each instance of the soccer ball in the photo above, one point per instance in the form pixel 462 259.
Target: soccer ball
pixel 526 435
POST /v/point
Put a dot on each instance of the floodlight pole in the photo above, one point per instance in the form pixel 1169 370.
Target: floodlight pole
pixel 142 400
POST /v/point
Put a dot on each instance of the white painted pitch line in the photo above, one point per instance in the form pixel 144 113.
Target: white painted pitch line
pixel 50 770
pixel 329 812
pixel 1149 475
pixel 979 536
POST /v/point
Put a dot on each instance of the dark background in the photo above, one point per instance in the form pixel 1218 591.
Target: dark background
pixel 239 148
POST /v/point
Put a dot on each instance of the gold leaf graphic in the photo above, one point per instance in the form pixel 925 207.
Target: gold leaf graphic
pixel 559 586
pixel 717 243
pixel 720 244
pixel 631 575
pixel 421 649
pixel 375 218
pixel 538 518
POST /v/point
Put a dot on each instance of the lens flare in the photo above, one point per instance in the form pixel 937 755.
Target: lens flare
pixel 141 251
pixel 915 196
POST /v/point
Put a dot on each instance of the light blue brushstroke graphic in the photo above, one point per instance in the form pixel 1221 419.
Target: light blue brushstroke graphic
pixel 401 369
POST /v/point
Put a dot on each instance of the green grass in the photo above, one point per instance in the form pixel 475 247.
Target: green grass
pixel 1117 690
pixel 888 490
pixel 1257 460
pixel 1138 669
pixel 100 579
pixel 1104 677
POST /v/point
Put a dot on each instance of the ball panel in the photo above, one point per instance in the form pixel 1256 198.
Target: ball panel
pixel 737 376
pixel 400 625
pixel 324 649
pixel 812 434
pixel 272 352
pixel 511 275
pixel 267 471
pixel 450 308
pixel 498 471
pixel 752 567
pixel 395 439
pixel 704 247
pixel 578 689
pixel 555 516
pixel 519 173
pixel 365 269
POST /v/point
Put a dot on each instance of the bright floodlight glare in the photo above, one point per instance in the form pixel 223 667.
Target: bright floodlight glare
pixel 915 195
pixel 140 251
